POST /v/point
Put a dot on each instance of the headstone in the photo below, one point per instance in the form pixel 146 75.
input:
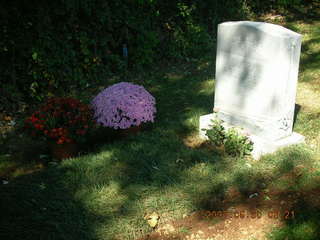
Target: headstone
pixel 256 80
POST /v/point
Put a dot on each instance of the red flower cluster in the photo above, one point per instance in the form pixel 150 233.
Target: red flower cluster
pixel 63 120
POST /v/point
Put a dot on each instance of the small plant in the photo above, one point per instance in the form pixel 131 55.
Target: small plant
pixel 184 229
pixel 63 120
pixel 216 133
pixel 123 105
pixel 234 143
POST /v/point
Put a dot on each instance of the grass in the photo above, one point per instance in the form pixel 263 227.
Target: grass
pixel 105 194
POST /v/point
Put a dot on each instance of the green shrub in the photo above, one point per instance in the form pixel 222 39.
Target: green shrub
pixel 234 143
pixel 216 133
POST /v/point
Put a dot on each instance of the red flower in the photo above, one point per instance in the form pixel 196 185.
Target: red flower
pixel 60 118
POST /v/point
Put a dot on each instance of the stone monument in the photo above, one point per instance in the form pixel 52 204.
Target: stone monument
pixel 256 80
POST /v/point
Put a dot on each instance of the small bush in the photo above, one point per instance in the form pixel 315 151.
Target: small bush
pixel 234 143
pixel 217 133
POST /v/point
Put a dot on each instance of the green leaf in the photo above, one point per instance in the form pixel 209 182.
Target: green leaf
pixel 34 56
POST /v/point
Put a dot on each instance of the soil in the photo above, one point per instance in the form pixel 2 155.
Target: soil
pixel 242 218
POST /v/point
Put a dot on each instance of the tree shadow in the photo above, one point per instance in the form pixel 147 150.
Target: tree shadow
pixel 39 205
pixel 287 194
pixel 309 12
pixel 309 59
pixel 297 108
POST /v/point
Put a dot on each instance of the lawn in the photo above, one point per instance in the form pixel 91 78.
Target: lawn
pixel 107 191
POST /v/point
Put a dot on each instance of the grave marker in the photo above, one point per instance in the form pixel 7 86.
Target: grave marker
pixel 256 79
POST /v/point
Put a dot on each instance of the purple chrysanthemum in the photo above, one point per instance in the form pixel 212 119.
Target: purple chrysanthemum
pixel 123 105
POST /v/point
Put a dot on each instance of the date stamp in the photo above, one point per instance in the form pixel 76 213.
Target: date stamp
pixel 252 214
pixel 287 214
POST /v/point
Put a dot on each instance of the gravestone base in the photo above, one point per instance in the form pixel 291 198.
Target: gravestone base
pixel 260 146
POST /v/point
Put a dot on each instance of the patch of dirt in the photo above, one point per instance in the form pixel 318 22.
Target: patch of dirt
pixel 242 218
pixel 20 169
pixel 193 141
pixel 273 17
pixel 204 225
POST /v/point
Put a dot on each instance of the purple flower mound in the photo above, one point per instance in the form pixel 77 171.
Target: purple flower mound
pixel 123 105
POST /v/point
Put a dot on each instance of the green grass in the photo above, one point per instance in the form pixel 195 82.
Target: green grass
pixel 105 194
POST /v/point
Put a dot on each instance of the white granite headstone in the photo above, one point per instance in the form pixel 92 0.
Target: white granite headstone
pixel 256 79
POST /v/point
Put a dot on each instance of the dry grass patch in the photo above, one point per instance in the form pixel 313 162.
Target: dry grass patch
pixel 308 97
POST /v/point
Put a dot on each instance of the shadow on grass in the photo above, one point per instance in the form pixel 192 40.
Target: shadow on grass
pixel 309 60
pixel 308 13
pixel 284 183
pixel 39 206
pixel 303 222
pixel 94 196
